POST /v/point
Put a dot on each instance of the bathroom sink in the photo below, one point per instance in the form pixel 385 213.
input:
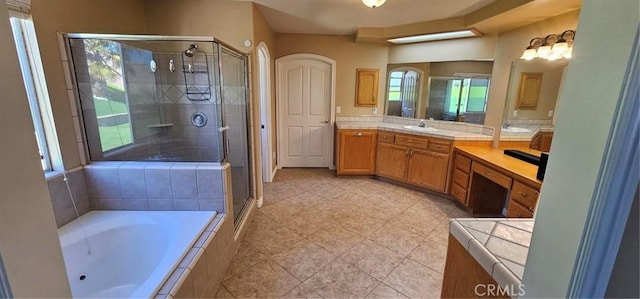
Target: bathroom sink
pixel 516 130
pixel 421 129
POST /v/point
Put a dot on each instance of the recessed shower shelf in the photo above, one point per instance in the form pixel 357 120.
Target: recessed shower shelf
pixel 160 126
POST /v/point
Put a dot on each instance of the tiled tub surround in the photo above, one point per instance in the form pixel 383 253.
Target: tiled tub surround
pixel 202 269
pixel 445 129
pixel 499 245
pixel 63 208
pixel 180 186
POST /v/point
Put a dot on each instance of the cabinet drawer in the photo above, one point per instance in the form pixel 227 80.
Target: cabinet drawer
pixel 516 210
pixel 461 178
pixel 524 194
pixel 411 141
pixel 491 174
pixel 385 137
pixel 439 146
pixel 463 163
pixel 459 193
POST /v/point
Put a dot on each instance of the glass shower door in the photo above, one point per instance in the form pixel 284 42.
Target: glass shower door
pixel 235 117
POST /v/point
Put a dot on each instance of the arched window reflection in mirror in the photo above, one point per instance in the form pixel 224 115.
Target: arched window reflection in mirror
pixel 403 92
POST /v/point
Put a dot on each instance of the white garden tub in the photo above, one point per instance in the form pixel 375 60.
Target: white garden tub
pixel 120 254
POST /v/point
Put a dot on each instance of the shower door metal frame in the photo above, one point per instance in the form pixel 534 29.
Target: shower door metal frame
pixel 5 288
pixel 222 46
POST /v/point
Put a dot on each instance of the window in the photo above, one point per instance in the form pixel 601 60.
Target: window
pixel 467 95
pixel 395 85
pixel 104 64
pixel 35 85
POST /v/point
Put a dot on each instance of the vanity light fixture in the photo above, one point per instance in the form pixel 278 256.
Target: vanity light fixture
pixel 373 3
pixel 552 47
pixel 435 36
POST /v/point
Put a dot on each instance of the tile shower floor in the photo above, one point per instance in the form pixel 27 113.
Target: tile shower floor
pixel 322 236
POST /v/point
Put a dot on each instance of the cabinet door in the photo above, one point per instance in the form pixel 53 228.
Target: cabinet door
pixel 428 169
pixel 357 152
pixel 545 142
pixel 391 161
pixel 366 87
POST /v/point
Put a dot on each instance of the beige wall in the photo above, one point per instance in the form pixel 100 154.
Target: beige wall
pixel 228 21
pixel 348 56
pixel 551 79
pixel 447 50
pixel 262 33
pixel 28 238
pixel 509 47
pixel 96 16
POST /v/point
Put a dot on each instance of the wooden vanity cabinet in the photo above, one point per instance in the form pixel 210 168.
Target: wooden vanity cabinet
pixel 357 152
pixel 391 161
pixel 522 200
pixel 461 174
pixel 542 141
pixel 428 169
pixel 417 160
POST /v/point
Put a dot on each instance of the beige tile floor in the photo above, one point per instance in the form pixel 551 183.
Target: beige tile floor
pixel 322 236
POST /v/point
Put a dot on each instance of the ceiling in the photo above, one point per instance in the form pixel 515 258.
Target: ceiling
pixel 396 17
pixel 346 16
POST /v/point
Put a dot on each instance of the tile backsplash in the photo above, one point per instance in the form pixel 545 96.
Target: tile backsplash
pixel 444 125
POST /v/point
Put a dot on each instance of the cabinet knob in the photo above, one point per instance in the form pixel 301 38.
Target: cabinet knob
pixel 358 134
pixel 523 194
pixel 437 146
pixel 409 141
pixel 384 137
pixel 531 209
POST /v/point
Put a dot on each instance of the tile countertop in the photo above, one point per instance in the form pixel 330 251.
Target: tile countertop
pixel 439 133
pixel 499 245
pixel 528 136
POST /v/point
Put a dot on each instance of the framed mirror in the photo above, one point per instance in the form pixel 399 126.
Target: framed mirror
pixel 451 90
pixel 533 92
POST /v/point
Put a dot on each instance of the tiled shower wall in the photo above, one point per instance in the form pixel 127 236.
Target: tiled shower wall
pixel 157 186
pixel 202 144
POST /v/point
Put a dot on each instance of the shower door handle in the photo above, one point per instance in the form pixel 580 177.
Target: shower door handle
pixel 222 129
pixel 228 146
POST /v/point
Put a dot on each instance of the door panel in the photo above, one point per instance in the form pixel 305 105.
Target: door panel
pixel 391 161
pixel 428 169
pixel 294 135
pixel 304 86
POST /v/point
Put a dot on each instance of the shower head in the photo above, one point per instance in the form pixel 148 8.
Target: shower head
pixel 192 50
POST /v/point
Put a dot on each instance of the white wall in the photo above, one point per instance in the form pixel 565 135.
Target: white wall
pixel 587 104
pixel 28 238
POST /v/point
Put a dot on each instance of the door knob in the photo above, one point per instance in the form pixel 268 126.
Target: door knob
pixel 325 122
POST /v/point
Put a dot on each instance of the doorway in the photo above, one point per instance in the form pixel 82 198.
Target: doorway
pixel 305 95
pixel 264 81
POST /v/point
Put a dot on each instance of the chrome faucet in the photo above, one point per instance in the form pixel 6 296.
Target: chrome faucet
pixel 422 124
pixel 507 124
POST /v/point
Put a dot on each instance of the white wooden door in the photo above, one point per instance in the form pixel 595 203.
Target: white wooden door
pixel 304 103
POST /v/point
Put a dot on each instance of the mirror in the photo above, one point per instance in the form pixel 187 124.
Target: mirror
pixel 533 92
pixel 450 90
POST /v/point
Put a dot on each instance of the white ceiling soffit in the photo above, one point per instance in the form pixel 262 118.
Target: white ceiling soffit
pixel 346 16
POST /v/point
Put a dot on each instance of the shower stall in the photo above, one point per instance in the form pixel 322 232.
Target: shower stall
pixel 164 99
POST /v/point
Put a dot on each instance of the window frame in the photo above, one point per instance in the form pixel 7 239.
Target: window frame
pixel 36 88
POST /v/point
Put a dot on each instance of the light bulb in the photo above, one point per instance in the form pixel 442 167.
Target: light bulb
pixel 373 3
pixel 568 53
pixel 560 47
pixel 528 54
pixel 544 51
